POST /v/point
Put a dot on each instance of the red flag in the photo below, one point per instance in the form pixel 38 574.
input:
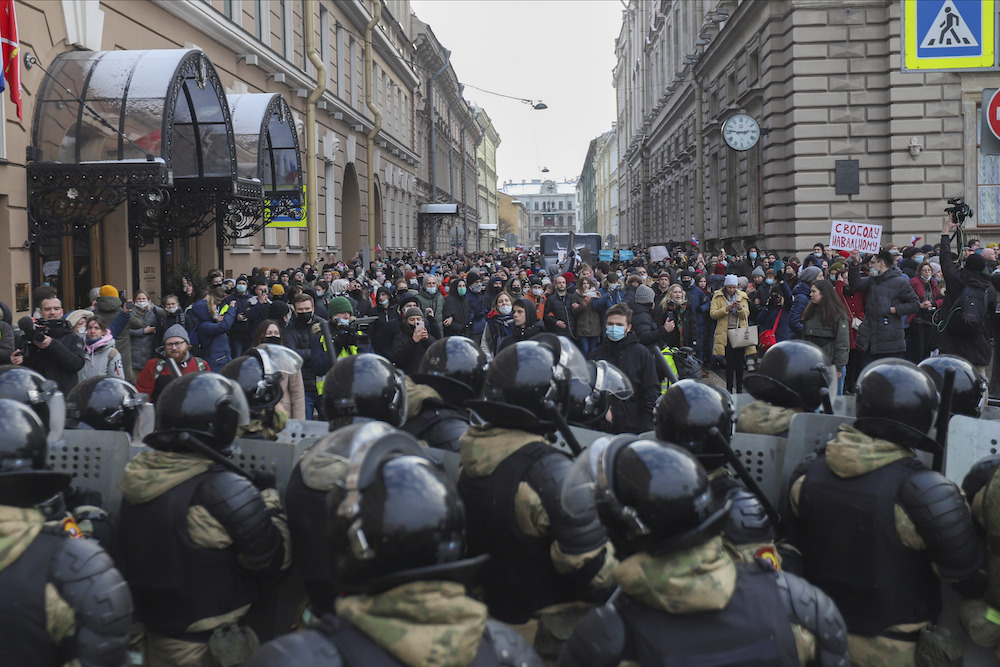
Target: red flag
pixel 11 55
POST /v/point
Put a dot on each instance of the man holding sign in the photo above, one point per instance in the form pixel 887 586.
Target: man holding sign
pixel 890 301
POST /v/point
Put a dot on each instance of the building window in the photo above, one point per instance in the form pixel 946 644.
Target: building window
pixel 258 19
pixel 324 37
pixel 352 99
pixel 753 66
pixel 270 237
pixel 287 31
pixel 227 9
pixel 293 238
pixel 330 205
pixel 560 206
pixel 536 206
pixel 988 191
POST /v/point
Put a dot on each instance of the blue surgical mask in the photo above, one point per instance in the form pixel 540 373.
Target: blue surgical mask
pixel 432 290
pixel 769 281
pixel 753 255
pixel 343 321
pixel 241 289
pixel 614 332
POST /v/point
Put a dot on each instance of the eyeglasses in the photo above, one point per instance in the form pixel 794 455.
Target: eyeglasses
pixel 179 343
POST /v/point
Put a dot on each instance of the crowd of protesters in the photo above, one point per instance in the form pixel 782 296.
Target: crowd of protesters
pixel 899 302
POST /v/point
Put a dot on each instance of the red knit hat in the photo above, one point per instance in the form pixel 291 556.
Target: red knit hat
pixel 569 276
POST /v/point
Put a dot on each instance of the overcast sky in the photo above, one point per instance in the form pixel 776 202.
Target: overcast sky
pixel 558 51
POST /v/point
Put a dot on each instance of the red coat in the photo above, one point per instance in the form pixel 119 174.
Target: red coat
pixel 855 303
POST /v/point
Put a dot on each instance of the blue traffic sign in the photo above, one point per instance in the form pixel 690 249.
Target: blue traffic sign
pixel 949 34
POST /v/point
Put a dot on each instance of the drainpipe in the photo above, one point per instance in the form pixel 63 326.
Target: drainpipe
pixel 376 126
pixel 430 103
pixel 465 194
pixel 312 178
pixel 451 162
pixel 699 166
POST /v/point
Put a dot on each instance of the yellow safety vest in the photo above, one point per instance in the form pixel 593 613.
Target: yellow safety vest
pixel 345 352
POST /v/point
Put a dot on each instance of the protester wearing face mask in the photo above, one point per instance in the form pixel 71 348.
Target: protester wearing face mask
pixel 302 335
pixel 523 323
pixel 621 347
pixel 890 298
pixel 212 318
pixel 411 343
pixel 430 298
pixel 731 310
pixel 499 323
pixel 102 359
pixel 535 296
pixel 239 335
pixel 142 330
pixel 478 306
pixel 386 326
pixel 457 310
pixel 293 396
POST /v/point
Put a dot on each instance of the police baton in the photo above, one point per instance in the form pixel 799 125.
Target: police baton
pixel 944 417
pixel 331 351
pixel 563 427
pixel 722 446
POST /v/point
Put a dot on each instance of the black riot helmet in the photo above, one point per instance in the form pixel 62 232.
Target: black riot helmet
pixel 655 497
pixel 366 386
pixel 208 406
pixel 41 395
pixel 791 374
pixel 685 414
pixel 589 401
pixel 24 479
pixel 525 379
pixel 259 374
pixel 394 519
pixel 969 390
pixel 454 367
pixel 105 404
pixel 897 401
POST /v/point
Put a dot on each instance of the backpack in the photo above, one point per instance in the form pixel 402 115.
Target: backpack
pixel 969 314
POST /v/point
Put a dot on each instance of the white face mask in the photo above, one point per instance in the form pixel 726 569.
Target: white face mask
pixel 506 310
pixel 82 331
pixel 343 321
pixel 141 304
pixel 537 291
pixel 172 309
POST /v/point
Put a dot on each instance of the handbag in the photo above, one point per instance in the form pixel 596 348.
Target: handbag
pixel 742 336
pixel 769 337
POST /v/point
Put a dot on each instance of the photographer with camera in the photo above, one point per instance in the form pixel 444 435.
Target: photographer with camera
pixel 50 346
pixel 970 302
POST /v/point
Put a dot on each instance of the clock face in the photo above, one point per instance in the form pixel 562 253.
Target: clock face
pixel 741 132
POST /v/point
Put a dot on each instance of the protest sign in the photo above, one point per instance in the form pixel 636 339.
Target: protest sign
pixel 658 253
pixel 855 236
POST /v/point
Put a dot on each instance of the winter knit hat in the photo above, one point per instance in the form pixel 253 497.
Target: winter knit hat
pixel 410 312
pixel 109 290
pixel 809 274
pixel 758 271
pixel 731 279
pixel 176 331
pixel 644 294
pixel 339 304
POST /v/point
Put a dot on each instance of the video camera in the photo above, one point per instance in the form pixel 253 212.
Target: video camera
pixel 35 330
pixel 959 210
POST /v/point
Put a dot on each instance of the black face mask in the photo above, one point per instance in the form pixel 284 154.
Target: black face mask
pixel 304 318
pixel 273 340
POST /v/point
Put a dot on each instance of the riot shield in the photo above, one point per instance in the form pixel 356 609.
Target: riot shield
pixel 96 461
pixel 297 429
pixel 763 457
pixel 969 439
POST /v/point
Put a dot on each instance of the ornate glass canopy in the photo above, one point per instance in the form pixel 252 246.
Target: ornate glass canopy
pixel 150 127
pixel 267 149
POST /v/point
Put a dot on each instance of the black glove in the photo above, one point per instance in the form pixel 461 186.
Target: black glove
pixel 263 480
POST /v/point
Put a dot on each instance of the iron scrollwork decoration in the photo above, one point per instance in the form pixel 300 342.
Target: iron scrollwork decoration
pixel 69 199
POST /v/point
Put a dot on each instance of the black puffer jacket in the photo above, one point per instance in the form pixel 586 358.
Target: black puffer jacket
pixel 643 324
pixel 635 414
pixel 386 326
pixel 977 348
pixel 459 309
pixel 62 359
pixel 300 338
pixel 881 332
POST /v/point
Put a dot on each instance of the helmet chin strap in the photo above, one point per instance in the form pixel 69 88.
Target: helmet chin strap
pixel 562 426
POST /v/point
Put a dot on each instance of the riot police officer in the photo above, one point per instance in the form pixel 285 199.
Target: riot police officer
pixel 685 415
pixel 364 386
pixel 63 601
pixel 876 526
pixel 41 395
pixel 791 378
pixel 261 373
pixel 196 535
pixel 104 403
pixel 969 389
pixel 680 593
pixel 450 373
pixel 396 551
pixel 364 396
pixel 511 483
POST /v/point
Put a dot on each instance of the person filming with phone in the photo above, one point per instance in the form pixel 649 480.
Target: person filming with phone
pixel 410 344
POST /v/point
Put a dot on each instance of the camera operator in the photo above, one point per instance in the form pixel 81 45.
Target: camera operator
pixel 966 334
pixel 51 347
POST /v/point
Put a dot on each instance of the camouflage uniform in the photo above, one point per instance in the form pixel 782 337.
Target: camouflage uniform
pixel 764 419
pixel 19 528
pixel 981 618
pixel 852 454
pixel 154 473
pixel 483 449
pixel 702 580
pixel 258 429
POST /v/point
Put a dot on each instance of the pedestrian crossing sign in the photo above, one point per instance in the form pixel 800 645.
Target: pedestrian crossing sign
pixel 949 35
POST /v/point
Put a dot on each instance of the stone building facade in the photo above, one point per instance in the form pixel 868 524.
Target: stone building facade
pixel 823 79
pixel 551 206
pixel 255 47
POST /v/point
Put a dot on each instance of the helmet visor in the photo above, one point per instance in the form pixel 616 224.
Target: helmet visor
pixel 279 359
pixel 611 381
pixel 577 496
pixel 573 361
pixel 56 403
pixel 238 402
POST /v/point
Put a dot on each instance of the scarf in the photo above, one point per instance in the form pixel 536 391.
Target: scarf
pixel 92 348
